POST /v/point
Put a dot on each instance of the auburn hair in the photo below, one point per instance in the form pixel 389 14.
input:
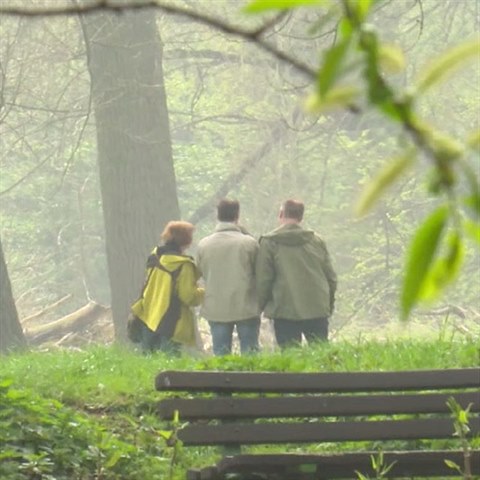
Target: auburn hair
pixel 178 232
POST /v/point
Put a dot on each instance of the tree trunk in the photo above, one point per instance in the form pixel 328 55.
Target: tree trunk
pixel 137 178
pixel 11 333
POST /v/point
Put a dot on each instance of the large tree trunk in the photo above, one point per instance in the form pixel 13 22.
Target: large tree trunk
pixel 11 333
pixel 134 150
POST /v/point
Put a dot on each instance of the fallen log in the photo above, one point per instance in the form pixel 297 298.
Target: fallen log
pixel 83 319
pixel 45 310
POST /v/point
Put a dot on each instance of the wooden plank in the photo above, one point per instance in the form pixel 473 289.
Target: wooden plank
pixel 288 466
pixel 270 382
pixel 312 406
pixel 318 432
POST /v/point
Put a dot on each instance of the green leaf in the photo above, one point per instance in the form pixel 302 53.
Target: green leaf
pixel 331 66
pixel 447 63
pixel 360 475
pixel 463 417
pixel 345 28
pixel 264 5
pixel 376 187
pixel 391 58
pixel 165 434
pixel 5 383
pixel 336 97
pixel 445 147
pixel 473 203
pixel 472 229
pixel 380 93
pixel 420 257
pixel 362 8
pixel 452 465
pixel 113 460
pixel 444 270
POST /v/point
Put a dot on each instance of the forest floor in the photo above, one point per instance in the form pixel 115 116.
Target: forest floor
pixel 92 324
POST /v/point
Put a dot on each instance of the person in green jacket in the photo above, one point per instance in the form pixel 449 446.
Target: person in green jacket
pixel 170 292
pixel 296 282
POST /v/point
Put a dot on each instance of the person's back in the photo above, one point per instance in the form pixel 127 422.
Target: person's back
pixel 300 287
pixel 164 308
pixel 296 282
pixel 226 260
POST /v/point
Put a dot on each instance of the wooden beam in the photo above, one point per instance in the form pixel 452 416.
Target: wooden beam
pixel 313 406
pixel 270 382
pixel 319 432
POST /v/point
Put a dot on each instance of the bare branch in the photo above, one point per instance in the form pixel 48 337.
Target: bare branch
pixel 269 24
pixel 76 9
pixel 236 177
pixel 253 36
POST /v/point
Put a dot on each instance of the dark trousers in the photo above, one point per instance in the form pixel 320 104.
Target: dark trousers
pixel 289 332
pixel 152 341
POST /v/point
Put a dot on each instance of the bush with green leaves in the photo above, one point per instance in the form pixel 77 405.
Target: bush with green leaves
pixel 43 439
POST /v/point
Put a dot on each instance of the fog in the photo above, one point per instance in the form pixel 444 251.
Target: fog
pixel 94 109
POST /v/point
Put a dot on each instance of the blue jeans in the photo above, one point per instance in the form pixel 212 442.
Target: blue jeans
pixel 289 332
pixel 247 330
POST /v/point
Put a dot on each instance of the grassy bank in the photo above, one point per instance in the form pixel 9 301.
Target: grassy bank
pixel 91 414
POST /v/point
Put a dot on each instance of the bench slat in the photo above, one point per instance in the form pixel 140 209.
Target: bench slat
pixel 332 405
pixel 270 382
pixel 288 466
pixel 318 432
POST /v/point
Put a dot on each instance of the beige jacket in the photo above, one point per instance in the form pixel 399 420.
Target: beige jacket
pixel 226 260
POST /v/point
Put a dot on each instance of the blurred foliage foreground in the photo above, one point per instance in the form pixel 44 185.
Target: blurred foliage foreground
pixel 436 252
pixel 91 414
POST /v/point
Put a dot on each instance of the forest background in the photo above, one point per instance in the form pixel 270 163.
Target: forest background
pixel 110 125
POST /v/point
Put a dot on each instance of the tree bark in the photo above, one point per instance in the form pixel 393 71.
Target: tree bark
pixel 11 333
pixel 137 177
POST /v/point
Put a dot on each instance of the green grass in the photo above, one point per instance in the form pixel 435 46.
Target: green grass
pixel 91 414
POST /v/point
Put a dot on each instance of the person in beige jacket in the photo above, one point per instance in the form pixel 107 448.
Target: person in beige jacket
pixel 226 261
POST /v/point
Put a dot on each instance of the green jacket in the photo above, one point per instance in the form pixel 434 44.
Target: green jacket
pixel 294 274
pixel 156 296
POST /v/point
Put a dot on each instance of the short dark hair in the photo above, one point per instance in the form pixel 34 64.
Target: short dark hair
pixel 228 210
pixel 293 209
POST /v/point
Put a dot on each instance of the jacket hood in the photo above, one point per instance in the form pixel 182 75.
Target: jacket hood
pixel 290 234
pixel 173 261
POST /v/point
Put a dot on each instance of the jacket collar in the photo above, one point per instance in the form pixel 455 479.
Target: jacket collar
pixel 227 226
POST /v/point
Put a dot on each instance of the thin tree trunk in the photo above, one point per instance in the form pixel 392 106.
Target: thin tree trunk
pixel 134 149
pixel 11 333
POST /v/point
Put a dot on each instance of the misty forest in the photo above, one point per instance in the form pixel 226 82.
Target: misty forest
pixel 119 116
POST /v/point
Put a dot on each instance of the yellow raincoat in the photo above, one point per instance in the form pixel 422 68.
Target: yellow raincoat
pixel 156 296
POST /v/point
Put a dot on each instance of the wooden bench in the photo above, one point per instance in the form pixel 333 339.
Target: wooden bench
pixel 404 415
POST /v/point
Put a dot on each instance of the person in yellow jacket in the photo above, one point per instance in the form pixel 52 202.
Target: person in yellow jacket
pixel 170 292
